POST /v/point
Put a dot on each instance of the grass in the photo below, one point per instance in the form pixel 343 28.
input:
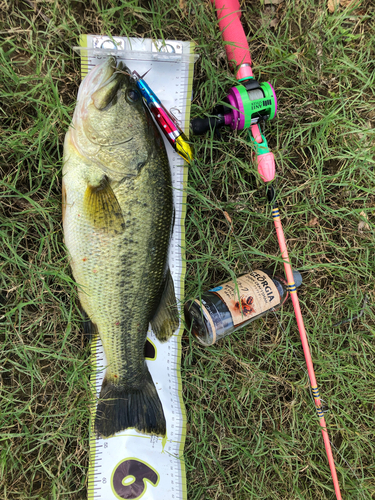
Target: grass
pixel 252 428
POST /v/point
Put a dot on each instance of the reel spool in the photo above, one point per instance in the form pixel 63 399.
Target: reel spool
pixel 249 103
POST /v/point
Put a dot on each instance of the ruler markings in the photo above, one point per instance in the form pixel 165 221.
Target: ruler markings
pixel 175 429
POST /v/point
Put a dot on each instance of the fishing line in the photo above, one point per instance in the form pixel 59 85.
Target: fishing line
pixel 357 316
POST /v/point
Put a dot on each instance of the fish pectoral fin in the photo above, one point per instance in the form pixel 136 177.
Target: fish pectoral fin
pixel 102 208
pixel 165 321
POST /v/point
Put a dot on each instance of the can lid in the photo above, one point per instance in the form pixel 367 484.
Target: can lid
pixel 199 322
pixel 297 278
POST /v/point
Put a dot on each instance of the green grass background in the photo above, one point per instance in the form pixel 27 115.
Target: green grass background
pixel 252 428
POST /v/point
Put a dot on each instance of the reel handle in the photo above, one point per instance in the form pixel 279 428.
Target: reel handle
pixel 200 126
pixel 238 53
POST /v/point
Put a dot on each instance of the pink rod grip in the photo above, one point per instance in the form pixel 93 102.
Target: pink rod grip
pixel 266 167
pixel 229 13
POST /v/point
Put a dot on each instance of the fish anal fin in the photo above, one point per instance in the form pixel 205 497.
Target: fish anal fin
pixel 165 321
pixel 90 329
pixel 102 208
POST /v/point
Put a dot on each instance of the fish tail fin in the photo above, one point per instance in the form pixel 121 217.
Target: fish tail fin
pixel 122 407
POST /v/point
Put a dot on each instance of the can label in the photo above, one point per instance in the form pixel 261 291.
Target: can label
pixel 251 295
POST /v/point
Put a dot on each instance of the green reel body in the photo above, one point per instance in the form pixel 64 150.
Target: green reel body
pixel 250 102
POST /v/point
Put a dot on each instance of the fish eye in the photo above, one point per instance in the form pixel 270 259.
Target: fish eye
pixel 132 96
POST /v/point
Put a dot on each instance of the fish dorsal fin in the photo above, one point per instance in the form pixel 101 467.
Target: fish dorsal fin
pixel 165 321
pixel 102 208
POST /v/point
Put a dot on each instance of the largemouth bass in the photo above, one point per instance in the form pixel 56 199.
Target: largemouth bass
pixel 117 218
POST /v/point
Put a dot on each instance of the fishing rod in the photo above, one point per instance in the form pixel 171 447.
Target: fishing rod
pixel 251 103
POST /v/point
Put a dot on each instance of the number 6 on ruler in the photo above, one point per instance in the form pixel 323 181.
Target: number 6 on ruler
pixel 129 478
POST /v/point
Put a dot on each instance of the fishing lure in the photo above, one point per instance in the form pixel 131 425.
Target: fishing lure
pixel 175 136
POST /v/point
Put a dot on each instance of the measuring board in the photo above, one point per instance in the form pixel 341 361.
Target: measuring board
pixel 130 464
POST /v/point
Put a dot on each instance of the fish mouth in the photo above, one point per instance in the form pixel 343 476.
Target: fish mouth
pixel 100 90
pixel 97 93
pixel 96 78
pixel 102 75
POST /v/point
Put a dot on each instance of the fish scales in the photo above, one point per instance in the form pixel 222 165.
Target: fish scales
pixel 117 216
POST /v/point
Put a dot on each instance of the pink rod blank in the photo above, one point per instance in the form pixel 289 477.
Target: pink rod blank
pixel 306 349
